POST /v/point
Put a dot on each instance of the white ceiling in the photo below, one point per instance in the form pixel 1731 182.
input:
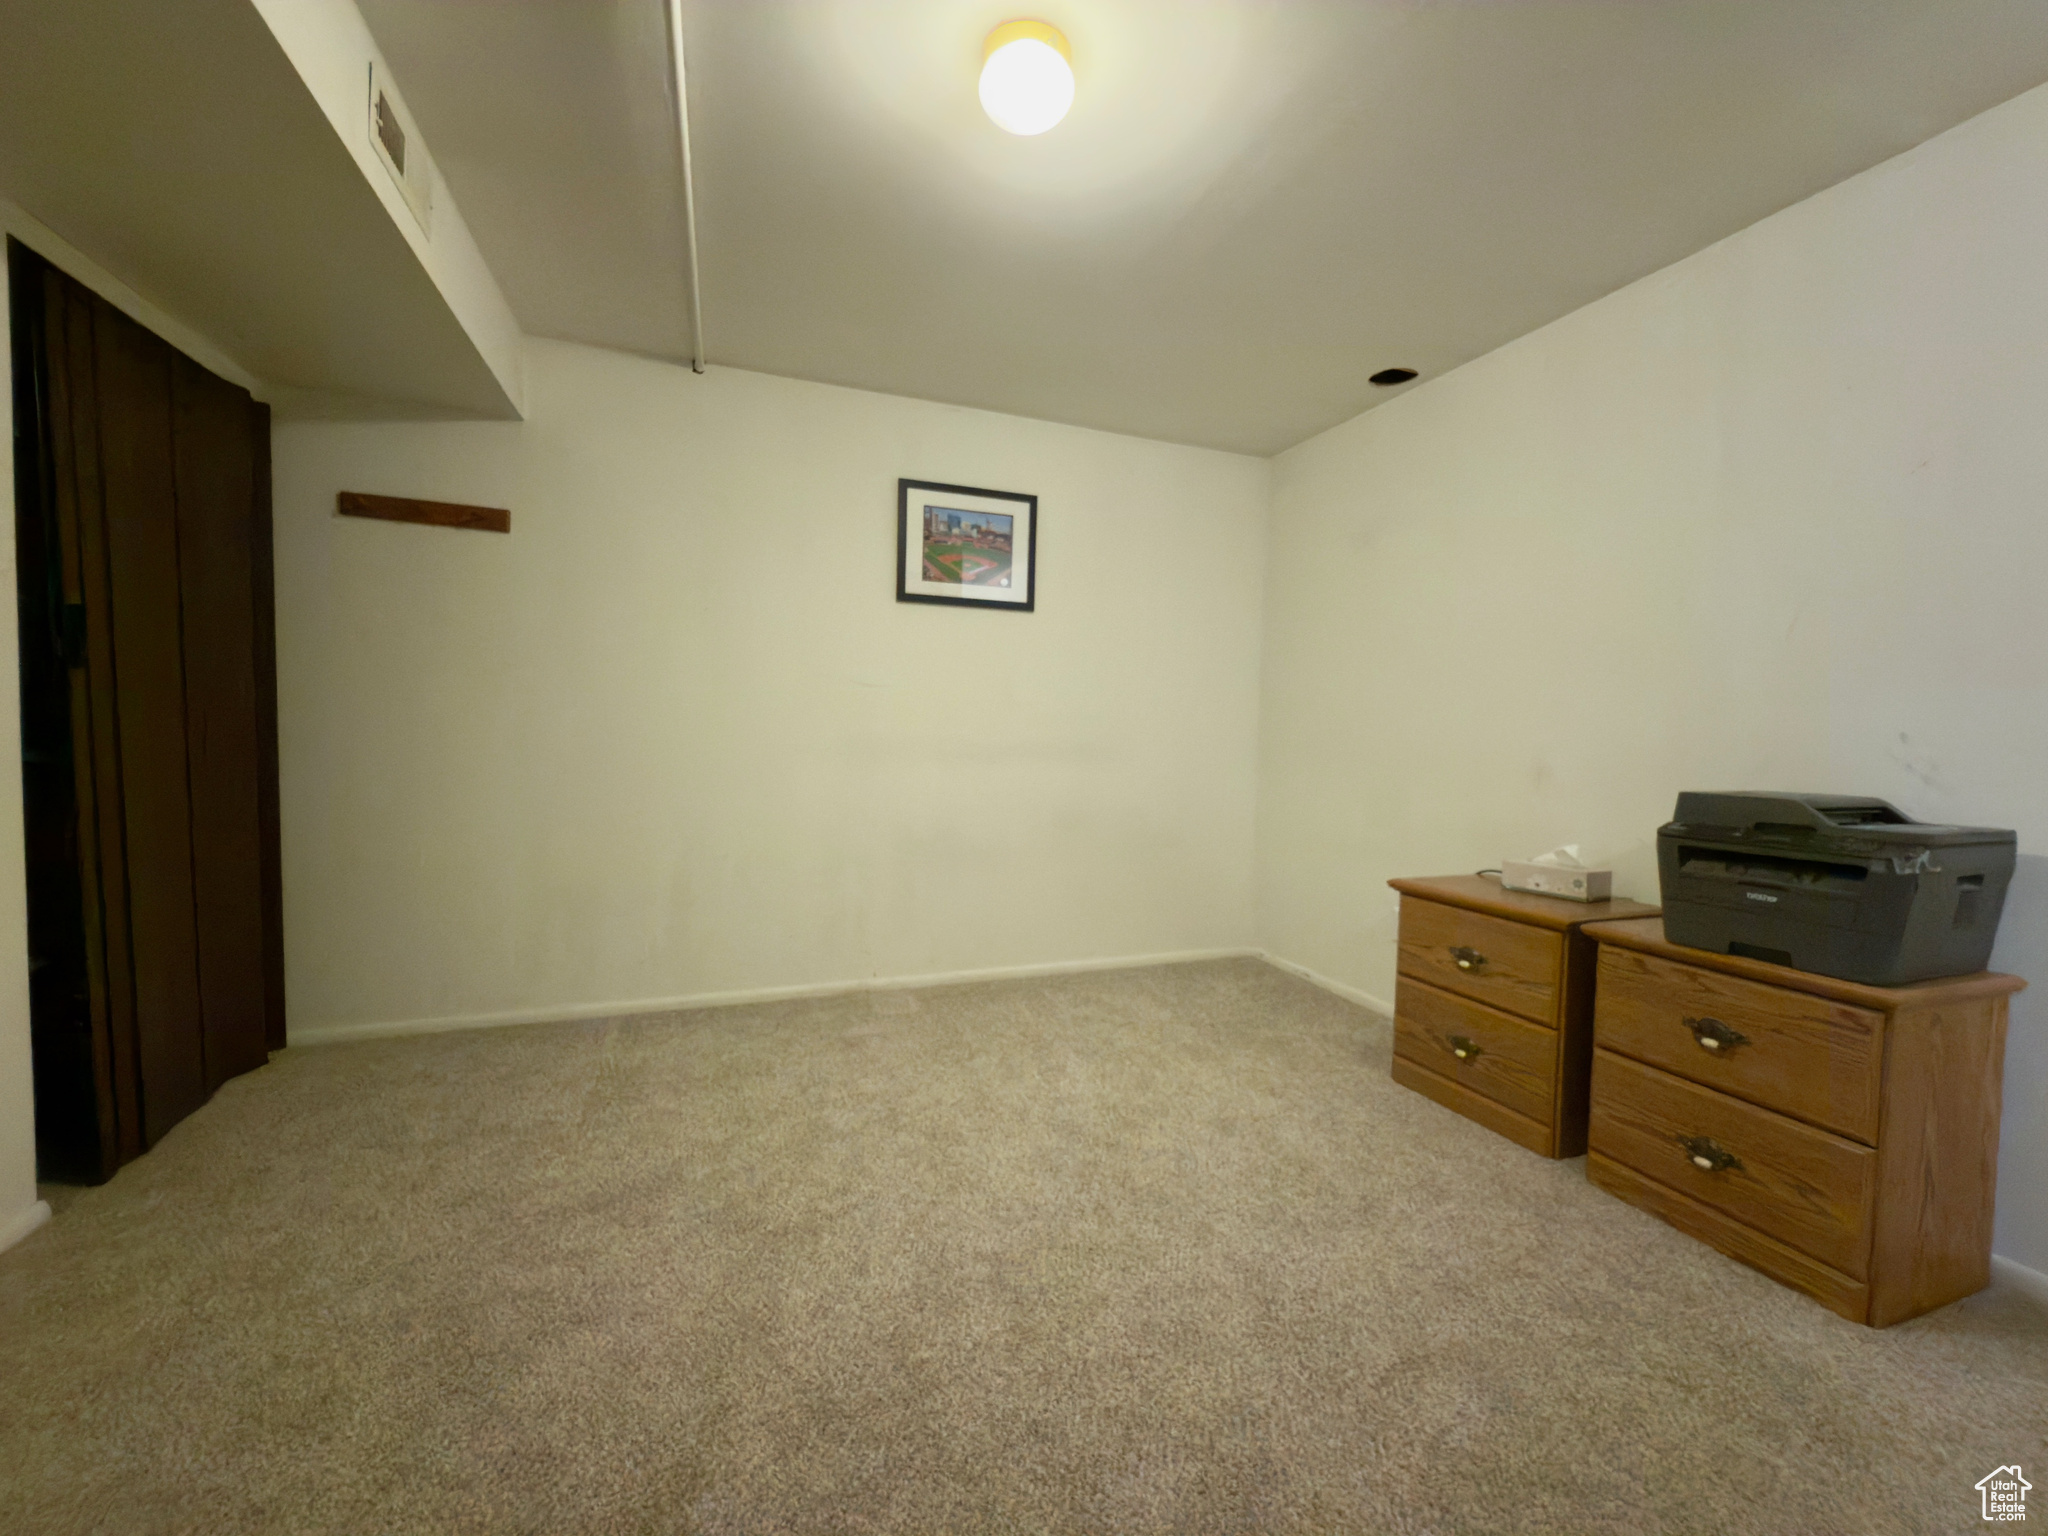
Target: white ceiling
pixel 1253 205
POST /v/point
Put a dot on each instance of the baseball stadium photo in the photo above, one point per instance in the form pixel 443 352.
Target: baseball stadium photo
pixel 970 549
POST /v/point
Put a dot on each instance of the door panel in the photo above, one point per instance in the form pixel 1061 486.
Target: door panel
pixel 215 500
pixel 75 1121
pixel 103 840
pixel 263 584
pixel 139 477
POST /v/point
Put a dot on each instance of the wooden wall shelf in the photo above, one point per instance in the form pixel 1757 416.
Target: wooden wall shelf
pixel 437 514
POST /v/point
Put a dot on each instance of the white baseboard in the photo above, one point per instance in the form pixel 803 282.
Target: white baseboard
pixel 1316 978
pixel 23 1223
pixel 330 1034
pixel 2015 1274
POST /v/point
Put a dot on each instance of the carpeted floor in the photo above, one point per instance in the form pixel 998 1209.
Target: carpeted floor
pixel 1158 1250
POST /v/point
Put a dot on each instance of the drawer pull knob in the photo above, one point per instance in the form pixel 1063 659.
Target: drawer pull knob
pixel 1464 1049
pixel 1715 1036
pixel 1468 959
pixel 1708 1155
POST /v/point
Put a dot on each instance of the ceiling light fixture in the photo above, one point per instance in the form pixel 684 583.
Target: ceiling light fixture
pixel 1393 376
pixel 1027 81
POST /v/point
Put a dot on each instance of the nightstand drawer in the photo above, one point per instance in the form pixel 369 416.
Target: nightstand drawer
pixel 1805 1187
pixel 1510 966
pixel 1807 1056
pixel 1510 1060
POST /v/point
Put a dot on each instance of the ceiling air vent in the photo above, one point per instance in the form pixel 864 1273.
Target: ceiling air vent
pixel 397 143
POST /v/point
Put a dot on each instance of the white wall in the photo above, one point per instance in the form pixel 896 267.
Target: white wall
pixel 20 1210
pixel 1771 518
pixel 674 737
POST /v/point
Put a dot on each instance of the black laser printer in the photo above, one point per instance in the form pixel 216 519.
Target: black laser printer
pixel 1833 884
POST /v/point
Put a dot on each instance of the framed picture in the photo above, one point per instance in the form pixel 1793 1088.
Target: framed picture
pixel 954 544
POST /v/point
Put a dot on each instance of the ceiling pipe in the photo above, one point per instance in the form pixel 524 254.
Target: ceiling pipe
pixel 674 9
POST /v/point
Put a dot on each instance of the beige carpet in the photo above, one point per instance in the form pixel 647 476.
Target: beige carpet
pixel 1157 1250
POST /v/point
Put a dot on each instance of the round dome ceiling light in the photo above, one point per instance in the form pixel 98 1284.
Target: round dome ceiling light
pixel 1027 83
pixel 1393 376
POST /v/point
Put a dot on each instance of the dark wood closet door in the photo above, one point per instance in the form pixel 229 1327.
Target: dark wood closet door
pixel 148 650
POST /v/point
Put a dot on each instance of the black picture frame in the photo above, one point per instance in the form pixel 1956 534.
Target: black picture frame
pixel 969 593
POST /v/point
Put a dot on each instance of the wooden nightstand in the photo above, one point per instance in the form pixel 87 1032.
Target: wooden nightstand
pixel 1493 1005
pixel 1841 1138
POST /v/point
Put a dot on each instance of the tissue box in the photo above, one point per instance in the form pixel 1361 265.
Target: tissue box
pixel 1574 884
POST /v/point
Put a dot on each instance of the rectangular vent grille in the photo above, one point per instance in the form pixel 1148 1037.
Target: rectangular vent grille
pixel 397 143
pixel 389 134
